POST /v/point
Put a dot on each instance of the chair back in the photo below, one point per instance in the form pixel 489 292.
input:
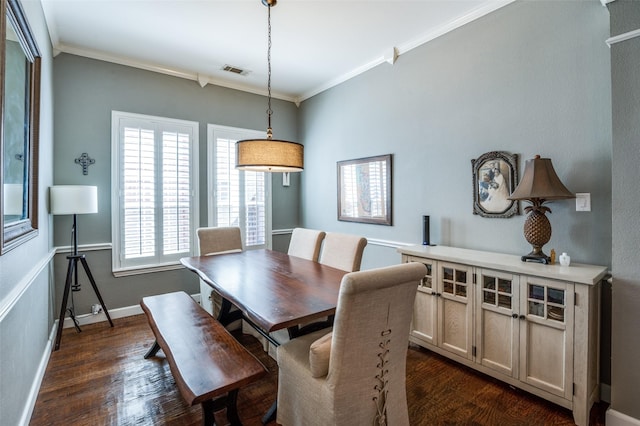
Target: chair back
pixel 342 251
pixel 367 364
pixel 218 240
pixel 305 243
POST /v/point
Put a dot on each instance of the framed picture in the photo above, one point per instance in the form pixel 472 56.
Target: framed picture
pixel 494 178
pixel 364 190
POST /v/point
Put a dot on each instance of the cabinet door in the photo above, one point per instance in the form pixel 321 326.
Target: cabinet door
pixel 425 313
pixel 455 305
pixel 497 325
pixel 546 335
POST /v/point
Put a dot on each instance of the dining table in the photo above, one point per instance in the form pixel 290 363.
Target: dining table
pixel 271 290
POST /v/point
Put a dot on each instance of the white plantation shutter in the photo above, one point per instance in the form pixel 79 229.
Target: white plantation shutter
pixel 154 183
pixel 239 198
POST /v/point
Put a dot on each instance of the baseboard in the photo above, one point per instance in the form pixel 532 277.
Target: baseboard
pixel 37 381
pixel 126 311
pixel 616 418
pixel 605 392
pixel 86 319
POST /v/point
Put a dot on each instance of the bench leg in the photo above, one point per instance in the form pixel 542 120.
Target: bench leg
pixel 153 351
pixel 210 407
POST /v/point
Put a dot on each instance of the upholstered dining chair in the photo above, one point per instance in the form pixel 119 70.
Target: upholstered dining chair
pixel 342 251
pixel 306 243
pixel 356 374
pixel 212 241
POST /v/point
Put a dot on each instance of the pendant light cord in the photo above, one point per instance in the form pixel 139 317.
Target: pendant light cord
pixel 269 110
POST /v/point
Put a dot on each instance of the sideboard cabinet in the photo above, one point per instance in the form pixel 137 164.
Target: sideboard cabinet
pixel 531 325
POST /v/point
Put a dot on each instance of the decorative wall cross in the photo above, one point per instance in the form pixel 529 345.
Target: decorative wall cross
pixel 85 161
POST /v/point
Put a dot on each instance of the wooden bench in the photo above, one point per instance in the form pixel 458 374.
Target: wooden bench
pixel 207 362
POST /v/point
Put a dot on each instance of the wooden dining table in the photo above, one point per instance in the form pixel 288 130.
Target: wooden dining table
pixel 272 289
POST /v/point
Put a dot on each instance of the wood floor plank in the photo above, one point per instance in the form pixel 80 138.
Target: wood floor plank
pixel 99 377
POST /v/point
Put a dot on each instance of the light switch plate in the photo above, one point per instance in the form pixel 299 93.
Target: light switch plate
pixel 583 201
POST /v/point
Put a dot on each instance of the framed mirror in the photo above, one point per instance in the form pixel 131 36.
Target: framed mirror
pixel 364 190
pixel 20 102
pixel 494 178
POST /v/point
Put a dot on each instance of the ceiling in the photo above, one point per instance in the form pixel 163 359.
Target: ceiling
pixel 316 44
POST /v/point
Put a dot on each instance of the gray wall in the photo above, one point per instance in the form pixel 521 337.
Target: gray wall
pixel 625 65
pixel 531 78
pixel 86 92
pixel 25 293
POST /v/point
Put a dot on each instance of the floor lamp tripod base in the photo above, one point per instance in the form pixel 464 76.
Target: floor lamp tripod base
pixel 71 269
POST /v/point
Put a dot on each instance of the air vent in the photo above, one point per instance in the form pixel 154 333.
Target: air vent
pixel 235 70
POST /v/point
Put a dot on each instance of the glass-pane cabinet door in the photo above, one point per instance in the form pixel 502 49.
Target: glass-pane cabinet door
pixel 455 301
pixel 497 324
pixel 425 312
pixel 546 324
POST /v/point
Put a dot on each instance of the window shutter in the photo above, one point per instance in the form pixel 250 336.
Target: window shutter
pixel 155 209
pixel 240 197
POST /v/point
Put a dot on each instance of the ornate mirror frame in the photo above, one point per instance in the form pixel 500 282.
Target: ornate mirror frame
pixel 495 175
pixel 19 125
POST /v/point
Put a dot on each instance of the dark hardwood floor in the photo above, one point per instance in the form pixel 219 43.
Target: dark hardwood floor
pixel 99 377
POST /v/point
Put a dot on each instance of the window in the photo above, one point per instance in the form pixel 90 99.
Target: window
pixel 237 198
pixel 155 187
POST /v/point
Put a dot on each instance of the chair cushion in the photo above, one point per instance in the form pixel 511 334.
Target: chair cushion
pixel 319 353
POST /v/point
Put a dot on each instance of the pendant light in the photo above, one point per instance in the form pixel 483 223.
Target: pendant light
pixel 269 155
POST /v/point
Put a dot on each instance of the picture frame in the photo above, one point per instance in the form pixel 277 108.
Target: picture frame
pixel 364 190
pixel 495 175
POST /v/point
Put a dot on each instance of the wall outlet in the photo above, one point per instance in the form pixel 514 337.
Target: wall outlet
pixel 583 201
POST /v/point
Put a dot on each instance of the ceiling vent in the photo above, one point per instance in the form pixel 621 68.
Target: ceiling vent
pixel 235 70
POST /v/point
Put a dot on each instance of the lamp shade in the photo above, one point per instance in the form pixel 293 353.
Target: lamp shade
pixel 73 199
pixel 12 198
pixel 269 155
pixel 540 181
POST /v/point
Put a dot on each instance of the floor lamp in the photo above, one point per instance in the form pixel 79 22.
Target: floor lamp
pixel 74 200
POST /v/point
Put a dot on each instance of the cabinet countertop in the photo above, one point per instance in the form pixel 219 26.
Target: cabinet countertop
pixel 576 272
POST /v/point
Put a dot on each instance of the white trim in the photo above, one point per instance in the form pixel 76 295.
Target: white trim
pixel 387 243
pixel 37 381
pixel 282 231
pixel 623 37
pixel 84 247
pixel 139 270
pixel 127 311
pixel 18 291
pixel 477 13
pixel 174 72
pixel 616 418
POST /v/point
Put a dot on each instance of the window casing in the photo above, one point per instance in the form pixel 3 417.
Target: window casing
pixel 237 198
pixel 155 188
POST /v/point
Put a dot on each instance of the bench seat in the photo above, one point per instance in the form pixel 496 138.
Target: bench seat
pixel 208 364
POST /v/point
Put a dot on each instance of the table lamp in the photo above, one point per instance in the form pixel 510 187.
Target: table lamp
pixel 539 184
pixel 74 200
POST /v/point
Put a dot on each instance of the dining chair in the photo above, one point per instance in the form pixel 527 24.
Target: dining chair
pixel 305 243
pixel 213 241
pixel 355 374
pixel 342 251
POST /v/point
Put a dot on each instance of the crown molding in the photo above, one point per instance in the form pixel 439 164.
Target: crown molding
pixel 202 80
pixel 623 37
pixel 477 13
